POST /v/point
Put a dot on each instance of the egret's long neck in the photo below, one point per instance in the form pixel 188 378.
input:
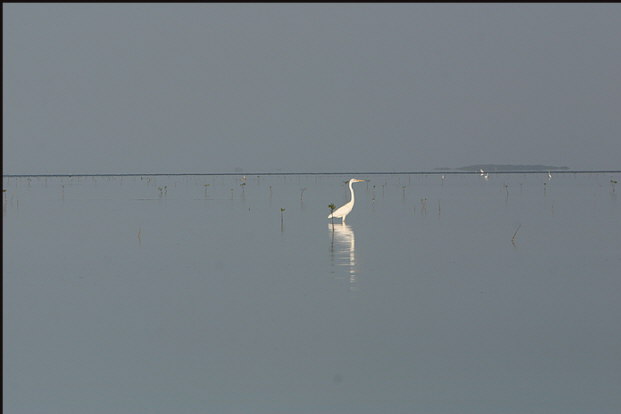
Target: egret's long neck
pixel 351 191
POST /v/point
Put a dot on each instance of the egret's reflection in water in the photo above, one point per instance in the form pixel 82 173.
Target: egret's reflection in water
pixel 343 252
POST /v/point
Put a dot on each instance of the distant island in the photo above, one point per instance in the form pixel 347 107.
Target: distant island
pixel 505 167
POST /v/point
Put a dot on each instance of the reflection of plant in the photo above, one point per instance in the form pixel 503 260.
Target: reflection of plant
pixel 423 205
pixel 302 193
pixel 515 234
pixel 332 207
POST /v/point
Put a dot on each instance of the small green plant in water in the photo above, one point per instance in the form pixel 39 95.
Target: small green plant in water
pixel 331 206
pixel 282 219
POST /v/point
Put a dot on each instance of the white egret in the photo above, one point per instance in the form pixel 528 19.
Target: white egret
pixel 345 209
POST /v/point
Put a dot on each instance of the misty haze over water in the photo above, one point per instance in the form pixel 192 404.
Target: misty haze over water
pixel 169 169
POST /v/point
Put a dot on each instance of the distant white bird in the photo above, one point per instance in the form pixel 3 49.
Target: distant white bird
pixel 549 175
pixel 345 209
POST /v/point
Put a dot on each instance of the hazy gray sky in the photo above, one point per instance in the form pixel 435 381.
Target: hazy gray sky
pixel 133 88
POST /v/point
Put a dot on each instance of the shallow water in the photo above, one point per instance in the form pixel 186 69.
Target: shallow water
pixel 196 294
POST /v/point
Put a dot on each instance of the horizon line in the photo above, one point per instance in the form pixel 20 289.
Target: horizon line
pixel 314 173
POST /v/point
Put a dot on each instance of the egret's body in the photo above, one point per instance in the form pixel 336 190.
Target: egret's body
pixel 345 209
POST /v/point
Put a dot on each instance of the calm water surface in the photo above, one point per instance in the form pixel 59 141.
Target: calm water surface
pixel 198 295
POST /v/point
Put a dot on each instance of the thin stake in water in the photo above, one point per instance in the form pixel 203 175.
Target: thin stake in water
pixel 515 234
